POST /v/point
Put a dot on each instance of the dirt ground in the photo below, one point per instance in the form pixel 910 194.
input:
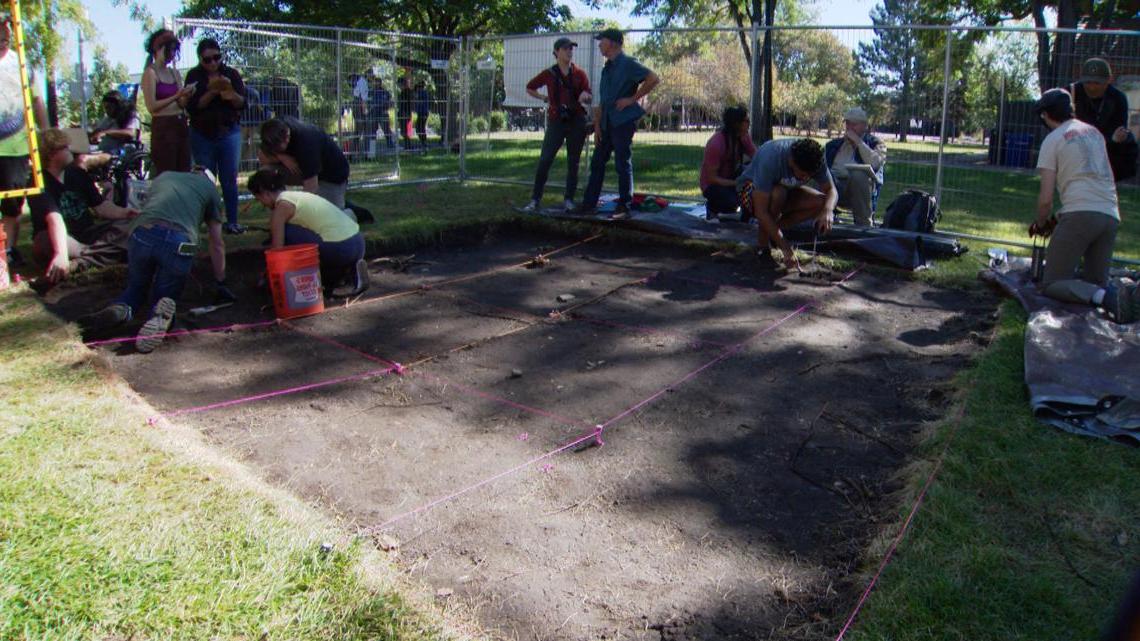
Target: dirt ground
pixel 734 495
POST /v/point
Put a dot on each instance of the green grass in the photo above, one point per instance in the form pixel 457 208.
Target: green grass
pixel 110 529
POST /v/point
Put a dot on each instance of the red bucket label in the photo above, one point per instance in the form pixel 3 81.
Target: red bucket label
pixel 303 288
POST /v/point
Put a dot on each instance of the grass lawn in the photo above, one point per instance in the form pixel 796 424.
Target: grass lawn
pixel 110 528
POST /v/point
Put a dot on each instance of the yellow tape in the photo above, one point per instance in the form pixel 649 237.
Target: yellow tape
pixel 29 114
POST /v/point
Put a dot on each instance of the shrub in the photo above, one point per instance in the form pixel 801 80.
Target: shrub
pixel 477 125
pixel 498 121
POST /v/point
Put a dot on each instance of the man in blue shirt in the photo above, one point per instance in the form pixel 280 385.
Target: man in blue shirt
pixel 624 82
pixel 774 186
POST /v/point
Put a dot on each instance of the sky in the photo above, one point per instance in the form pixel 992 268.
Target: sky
pixel 123 39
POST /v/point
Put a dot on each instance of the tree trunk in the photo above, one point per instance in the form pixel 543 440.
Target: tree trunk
pixel 769 18
pixel 1044 78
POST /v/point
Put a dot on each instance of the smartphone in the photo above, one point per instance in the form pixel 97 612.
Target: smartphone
pixel 192 86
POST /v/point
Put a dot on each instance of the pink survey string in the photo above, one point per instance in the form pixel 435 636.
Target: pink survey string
pixel 186 332
pixel 595 435
pixel 281 392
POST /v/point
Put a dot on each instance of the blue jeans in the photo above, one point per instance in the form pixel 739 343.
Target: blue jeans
pixel 616 140
pixel 153 259
pixel 337 259
pixel 220 155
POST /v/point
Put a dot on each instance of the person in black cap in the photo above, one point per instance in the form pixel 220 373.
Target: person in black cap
pixel 624 82
pixel 1073 160
pixel 567 90
pixel 1105 107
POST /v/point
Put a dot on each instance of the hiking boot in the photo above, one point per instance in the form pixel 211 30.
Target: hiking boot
pixel 110 316
pixel 531 207
pixel 621 213
pixel 153 331
pixel 233 229
pixel 1120 302
pixel 764 259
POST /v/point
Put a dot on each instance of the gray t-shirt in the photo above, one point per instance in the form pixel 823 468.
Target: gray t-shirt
pixel 771 167
pixel 184 199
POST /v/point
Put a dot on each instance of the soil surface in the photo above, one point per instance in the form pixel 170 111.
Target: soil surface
pixel 754 425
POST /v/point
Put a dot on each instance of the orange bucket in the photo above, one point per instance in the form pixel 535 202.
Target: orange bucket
pixel 294 274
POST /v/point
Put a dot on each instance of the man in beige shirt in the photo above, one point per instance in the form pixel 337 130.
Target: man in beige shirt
pixel 856 161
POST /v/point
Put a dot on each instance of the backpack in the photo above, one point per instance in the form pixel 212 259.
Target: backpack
pixel 913 210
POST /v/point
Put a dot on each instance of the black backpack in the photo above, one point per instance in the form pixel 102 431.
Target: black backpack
pixel 913 210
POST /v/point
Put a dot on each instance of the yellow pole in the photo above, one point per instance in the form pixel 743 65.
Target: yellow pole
pixel 29 116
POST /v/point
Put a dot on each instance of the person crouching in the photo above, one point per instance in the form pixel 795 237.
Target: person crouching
pixel 298 217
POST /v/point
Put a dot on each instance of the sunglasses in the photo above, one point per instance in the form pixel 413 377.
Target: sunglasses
pixel 209 59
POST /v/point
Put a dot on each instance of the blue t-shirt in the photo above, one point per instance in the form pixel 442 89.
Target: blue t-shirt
pixel 620 78
pixel 771 167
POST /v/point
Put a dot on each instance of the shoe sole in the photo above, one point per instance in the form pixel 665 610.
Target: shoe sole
pixel 153 331
pixel 362 278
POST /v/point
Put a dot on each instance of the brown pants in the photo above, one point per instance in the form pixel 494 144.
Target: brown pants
pixel 169 144
pixel 1086 235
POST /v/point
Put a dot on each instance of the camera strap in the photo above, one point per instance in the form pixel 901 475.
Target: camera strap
pixel 560 82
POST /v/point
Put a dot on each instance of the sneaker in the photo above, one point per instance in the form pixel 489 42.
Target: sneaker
pixel 1119 302
pixel 106 318
pixel 360 278
pixel 531 207
pixel 568 205
pixel 154 329
pixel 621 213
pixel 233 228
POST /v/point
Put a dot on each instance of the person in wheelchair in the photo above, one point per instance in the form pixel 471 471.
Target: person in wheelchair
pixel 119 126
pixel 856 160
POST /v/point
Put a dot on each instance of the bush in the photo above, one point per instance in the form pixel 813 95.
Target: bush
pixel 477 125
pixel 498 121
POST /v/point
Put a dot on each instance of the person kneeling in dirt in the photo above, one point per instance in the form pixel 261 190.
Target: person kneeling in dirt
pixel 1074 160
pixel 66 237
pixel 299 217
pixel 773 189
pixel 161 251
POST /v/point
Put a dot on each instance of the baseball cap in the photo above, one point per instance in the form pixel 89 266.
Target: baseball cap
pixel 855 114
pixel 1054 98
pixel 613 35
pixel 562 43
pixel 1095 70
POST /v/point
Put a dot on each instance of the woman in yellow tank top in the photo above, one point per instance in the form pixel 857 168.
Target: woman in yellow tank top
pixel 299 217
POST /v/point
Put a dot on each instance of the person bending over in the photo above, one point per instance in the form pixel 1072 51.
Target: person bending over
pixel 161 251
pixel 1073 161
pixel 774 187
pixel 308 155
pixel 725 154
pixel 299 217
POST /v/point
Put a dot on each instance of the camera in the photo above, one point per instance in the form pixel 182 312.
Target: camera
pixel 564 113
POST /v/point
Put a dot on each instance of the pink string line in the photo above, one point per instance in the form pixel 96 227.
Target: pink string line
pixel 186 332
pixel 728 352
pixel 594 435
pixel 329 341
pixel 282 392
pixel 918 501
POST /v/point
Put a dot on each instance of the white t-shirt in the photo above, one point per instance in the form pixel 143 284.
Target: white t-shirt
pixel 1076 151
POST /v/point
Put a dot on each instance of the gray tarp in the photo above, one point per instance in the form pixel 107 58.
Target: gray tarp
pixel 1082 370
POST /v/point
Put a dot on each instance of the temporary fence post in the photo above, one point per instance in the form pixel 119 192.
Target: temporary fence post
pixel 82 84
pixel 754 84
pixel 998 160
pixel 465 109
pixel 339 99
pixel 300 92
pixel 945 112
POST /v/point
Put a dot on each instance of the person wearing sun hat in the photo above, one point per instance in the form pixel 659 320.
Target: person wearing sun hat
pixel 1105 107
pixel 567 91
pixel 856 161
pixel 1074 163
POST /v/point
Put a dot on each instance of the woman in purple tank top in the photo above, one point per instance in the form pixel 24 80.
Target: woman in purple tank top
pixel 165 98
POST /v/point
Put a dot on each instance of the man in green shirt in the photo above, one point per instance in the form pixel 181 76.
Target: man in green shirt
pixel 163 243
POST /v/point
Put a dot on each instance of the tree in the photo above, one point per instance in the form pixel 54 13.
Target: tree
pixel 894 58
pixel 44 25
pixel 1002 59
pixel 105 76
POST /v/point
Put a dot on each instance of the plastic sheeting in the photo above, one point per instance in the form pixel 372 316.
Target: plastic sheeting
pixel 1082 370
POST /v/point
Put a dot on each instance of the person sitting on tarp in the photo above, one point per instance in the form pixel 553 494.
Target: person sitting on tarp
pixel 308 154
pixel 161 251
pixel 856 162
pixel 65 213
pixel 1074 161
pixel 725 154
pixel 774 188
pixel 299 218
pixel 1105 107
pixel 119 126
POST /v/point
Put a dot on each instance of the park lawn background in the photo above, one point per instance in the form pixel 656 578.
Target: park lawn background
pixel 108 529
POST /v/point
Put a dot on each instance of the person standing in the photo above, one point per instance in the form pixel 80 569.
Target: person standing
pixel 165 98
pixel 567 89
pixel 404 100
pixel 215 122
pixel 379 111
pixel 1074 161
pixel 15 150
pixel 423 109
pixel 1100 104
